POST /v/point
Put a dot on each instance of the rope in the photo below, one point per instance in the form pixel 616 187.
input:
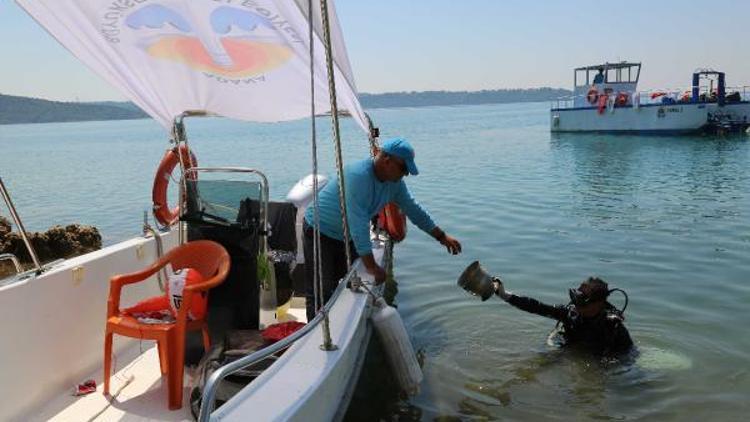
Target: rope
pixel 317 267
pixel 335 124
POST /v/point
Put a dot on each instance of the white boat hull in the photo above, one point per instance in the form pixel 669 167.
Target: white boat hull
pixel 52 338
pixel 737 114
pixel 52 325
pixel 675 118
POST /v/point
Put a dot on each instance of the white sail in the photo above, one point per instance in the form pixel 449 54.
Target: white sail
pixel 243 59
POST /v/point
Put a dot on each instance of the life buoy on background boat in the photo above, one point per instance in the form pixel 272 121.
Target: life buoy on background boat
pixel 622 99
pixel 165 215
pixel 592 96
pixel 393 221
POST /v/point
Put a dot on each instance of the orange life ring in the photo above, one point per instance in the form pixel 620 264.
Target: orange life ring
pixel 592 96
pixel 165 215
pixel 393 221
pixel 621 99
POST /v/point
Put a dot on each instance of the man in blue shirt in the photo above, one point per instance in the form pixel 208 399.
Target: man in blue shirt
pixel 599 77
pixel 370 184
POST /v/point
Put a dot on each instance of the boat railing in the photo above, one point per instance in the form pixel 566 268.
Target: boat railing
pixel 19 225
pixel 664 96
pixel 743 91
pixel 12 258
pixel 212 385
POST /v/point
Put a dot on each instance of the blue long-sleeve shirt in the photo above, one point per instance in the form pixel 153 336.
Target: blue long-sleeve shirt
pixel 365 197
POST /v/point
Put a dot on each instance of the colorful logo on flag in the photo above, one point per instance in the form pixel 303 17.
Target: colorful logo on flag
pixel 230 42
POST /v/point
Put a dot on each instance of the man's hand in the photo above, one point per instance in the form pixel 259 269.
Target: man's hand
pixel 378 272
pixel 450 243
pixel 497 284
pixel 373 268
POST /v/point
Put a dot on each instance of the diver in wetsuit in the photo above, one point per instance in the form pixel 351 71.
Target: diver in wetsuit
pixel 588 321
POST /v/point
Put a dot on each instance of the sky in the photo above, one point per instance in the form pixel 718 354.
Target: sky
pixel 420 45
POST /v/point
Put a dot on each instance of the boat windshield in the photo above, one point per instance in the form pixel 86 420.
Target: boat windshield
pixel 222 201
pixel 607 73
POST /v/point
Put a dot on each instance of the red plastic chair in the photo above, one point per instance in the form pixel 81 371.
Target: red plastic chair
pixel 211 260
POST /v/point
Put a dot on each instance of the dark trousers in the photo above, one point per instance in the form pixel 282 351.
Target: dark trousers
pixel 332 265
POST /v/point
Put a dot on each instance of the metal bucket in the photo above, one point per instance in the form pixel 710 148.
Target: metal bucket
pixel 476 281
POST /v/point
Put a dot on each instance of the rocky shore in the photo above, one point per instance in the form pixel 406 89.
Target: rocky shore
pixel 59 242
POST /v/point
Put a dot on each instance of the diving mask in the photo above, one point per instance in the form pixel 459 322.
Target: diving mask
pixel 579 297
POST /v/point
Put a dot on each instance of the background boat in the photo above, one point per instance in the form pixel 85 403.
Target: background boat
pixel 615 105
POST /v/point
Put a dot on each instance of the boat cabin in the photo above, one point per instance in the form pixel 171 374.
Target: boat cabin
pixel 708 86
pixel 605 78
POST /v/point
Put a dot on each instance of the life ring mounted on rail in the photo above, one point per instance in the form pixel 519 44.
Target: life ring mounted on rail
pixel 393 221
pixel 592 96
pixel 622 99
pixel 391 218
pixel 162 212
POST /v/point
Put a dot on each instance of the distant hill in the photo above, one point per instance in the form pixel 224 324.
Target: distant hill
pixel 33 110
pixel 443 98
pixel 15 109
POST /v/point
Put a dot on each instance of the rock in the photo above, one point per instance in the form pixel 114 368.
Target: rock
pixel 56 243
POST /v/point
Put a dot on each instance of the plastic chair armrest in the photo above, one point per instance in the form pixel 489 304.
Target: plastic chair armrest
pixel 120 280
pixel 130 278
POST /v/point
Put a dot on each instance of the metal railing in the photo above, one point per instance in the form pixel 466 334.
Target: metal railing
pixel 161 276
pixel 655 96
pixel 211 386
pixel 19 225
pixel 14 259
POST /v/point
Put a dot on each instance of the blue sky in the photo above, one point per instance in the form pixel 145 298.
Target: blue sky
pixel 416 45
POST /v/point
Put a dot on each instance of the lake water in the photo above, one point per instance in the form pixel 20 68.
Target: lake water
pixel 665 218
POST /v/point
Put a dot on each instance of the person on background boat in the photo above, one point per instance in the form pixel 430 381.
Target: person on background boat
pixel 599 77
pixel 588 321
pixel 370 184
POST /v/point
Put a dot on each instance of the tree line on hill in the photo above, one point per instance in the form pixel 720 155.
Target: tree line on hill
pixel 447 98
pixel 15 109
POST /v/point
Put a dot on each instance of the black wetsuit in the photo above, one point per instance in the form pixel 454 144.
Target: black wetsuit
pixel 603 334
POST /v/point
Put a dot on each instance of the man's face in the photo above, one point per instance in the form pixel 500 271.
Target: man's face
pixel 395 168
pixel 590 308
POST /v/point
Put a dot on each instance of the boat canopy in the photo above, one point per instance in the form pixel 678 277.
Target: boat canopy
pixel 613 73
pixel 247 60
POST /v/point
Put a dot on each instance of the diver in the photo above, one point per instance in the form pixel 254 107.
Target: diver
pixel 588 321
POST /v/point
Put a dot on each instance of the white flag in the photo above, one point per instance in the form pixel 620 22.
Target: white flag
pixel 243 59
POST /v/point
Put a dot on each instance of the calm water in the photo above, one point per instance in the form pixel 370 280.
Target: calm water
pixel 667 219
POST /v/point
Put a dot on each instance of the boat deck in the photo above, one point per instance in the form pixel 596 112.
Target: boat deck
pixel 138 391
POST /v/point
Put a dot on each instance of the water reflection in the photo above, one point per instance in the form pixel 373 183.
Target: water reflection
pixel 546 381
pixel 633 181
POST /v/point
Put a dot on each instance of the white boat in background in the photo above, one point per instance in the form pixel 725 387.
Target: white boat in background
pixel 606 99
pixel 246 60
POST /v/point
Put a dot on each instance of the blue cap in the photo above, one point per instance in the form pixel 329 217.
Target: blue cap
pixel 402 149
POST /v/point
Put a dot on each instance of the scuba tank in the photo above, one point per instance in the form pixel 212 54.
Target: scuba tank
pixel 398 348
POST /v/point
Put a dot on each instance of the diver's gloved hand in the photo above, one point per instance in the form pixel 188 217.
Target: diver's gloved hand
pixel 497 284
